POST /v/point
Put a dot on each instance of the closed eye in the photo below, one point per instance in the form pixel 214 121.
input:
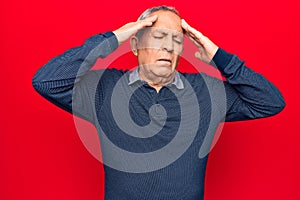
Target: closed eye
pixel 158 34
pixel 177 40
pixel 158 37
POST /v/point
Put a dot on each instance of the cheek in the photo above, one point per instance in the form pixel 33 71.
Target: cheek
pixel 176 60
pixel 178 49
pixel 150 43
pixel 147 56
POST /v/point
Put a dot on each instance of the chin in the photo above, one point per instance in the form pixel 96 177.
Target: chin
pixel 163 72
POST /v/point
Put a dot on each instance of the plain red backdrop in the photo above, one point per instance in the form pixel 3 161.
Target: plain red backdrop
pixel 41 155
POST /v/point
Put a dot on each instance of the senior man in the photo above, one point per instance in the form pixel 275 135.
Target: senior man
pixel 154 122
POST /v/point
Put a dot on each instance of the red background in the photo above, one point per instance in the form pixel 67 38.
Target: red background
pixel 41 155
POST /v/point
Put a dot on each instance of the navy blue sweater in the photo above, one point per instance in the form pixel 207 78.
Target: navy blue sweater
pixel 183 119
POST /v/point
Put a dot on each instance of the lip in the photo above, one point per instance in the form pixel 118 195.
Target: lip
pixel 165 60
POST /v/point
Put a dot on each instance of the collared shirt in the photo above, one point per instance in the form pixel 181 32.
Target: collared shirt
pixel 135 77
pixel 248 95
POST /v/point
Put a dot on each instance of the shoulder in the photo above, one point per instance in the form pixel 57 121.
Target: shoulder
pixel 110 74
pixel 202 83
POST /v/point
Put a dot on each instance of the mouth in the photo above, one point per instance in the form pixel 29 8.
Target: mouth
pixel 165 61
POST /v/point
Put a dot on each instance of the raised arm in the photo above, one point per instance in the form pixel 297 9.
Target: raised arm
pixel 249 95
pixel 56 79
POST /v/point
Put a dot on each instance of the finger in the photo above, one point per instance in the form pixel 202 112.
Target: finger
pixel 194 41
pixel 147 21
pixel 150 19
pixel 185 25
pixel 195 32
pixel 191 31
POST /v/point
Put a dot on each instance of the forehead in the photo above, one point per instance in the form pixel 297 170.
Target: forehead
pixel 167 20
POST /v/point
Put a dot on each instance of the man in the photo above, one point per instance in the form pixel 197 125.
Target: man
pixel 155 124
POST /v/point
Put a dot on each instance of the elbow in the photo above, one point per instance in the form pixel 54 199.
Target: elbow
pixel 36 83
pixel 281 105
pixel 36 87
pixel 273 107
pixel 39 84
pixel 278 107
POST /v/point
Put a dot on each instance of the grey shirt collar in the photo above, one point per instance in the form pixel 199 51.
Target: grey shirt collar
pixel 135 77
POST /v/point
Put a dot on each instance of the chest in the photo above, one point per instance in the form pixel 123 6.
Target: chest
pixel 142 120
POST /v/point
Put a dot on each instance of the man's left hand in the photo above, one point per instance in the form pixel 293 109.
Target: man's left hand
pixel 207 49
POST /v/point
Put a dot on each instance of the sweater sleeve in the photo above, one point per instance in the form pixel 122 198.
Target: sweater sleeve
pixel 57 79
pixel 249 95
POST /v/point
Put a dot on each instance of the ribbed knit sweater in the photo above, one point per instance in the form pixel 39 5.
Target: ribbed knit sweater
pixel 68 82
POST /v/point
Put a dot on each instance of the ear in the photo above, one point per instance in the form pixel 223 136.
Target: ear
pixel 134 45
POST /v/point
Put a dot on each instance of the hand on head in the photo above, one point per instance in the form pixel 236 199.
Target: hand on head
pixel 207 49
pixel 126 31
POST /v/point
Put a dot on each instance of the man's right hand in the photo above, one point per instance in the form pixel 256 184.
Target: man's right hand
pixel 126 31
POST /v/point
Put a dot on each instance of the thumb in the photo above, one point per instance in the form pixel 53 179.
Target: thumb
pixel 198 55
pixel 152 18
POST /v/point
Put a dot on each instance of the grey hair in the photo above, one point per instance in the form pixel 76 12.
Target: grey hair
pixel 147 12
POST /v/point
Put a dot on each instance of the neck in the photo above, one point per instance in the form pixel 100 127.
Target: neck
pixel 155 81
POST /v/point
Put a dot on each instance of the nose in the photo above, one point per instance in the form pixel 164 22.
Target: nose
pixel 168 44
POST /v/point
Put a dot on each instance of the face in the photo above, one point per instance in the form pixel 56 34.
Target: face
pixel 160 45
